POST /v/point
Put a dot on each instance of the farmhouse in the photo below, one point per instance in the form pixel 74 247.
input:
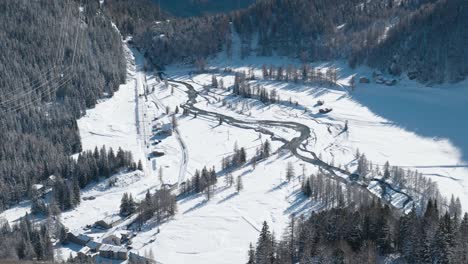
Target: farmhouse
pixel 79 239
pixel 112 240
pixel 108 222
pixel 93 246
pixel 113 252
pixel 51 180
pixel 140 259
pixel 84 252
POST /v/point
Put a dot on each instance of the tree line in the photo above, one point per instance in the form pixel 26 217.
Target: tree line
pixel 366 234
pixel 238 158
pixel 330 193
pixel 305 74
pixel 203 181
pixel 412 182
pixel 429 44
pixel 187 40
pixel 161 205
pixel 77 174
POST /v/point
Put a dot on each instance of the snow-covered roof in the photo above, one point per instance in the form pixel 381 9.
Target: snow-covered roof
pixel 111 219
pixel 110 236
pixel 125 232
pixel 84 250
pixel 107 247
pixel 84 237
pixel 37 186
pixel 93 245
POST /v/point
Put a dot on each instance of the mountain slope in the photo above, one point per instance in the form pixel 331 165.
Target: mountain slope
pixel 383 34
pixel 187 8
pixel 430 44
pixel 48 79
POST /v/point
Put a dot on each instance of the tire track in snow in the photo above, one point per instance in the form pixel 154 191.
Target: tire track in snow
pixel 249 222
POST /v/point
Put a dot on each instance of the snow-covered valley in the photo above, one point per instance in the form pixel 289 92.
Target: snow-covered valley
pixel 257 132
pixel 386 123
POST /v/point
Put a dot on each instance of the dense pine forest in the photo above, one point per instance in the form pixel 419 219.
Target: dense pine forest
pixel 429 45
pixel 53 78
pixel 57 59
pixel 187 8
pixel 132 17
pixel 27 240
pixel 49 78
pixel 369 233
pixel 184 40
pixel 406 36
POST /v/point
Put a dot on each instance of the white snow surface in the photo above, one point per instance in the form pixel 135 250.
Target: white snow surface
pixel 409 125
pixel 220 230
pixel 113 121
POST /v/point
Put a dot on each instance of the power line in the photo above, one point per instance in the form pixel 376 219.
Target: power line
pixel 21 95
pixel 62 44
pixel 36 100
pixel 58 57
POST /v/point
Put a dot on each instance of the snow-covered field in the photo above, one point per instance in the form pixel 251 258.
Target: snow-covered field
pixel 220 230
pixel 395 132
pixel 206 143
pixel 409 125
pixel 113 121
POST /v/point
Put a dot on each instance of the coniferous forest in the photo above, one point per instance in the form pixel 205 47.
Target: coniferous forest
pixel 364 234
pixel 396 36
pixel 49 78
pixel 60 58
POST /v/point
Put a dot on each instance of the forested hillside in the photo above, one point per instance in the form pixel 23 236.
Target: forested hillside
pixel 186 8
pixel 384 34
pixel 55 61
pixel 430 44
pixel 134 16
pixel 184 40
